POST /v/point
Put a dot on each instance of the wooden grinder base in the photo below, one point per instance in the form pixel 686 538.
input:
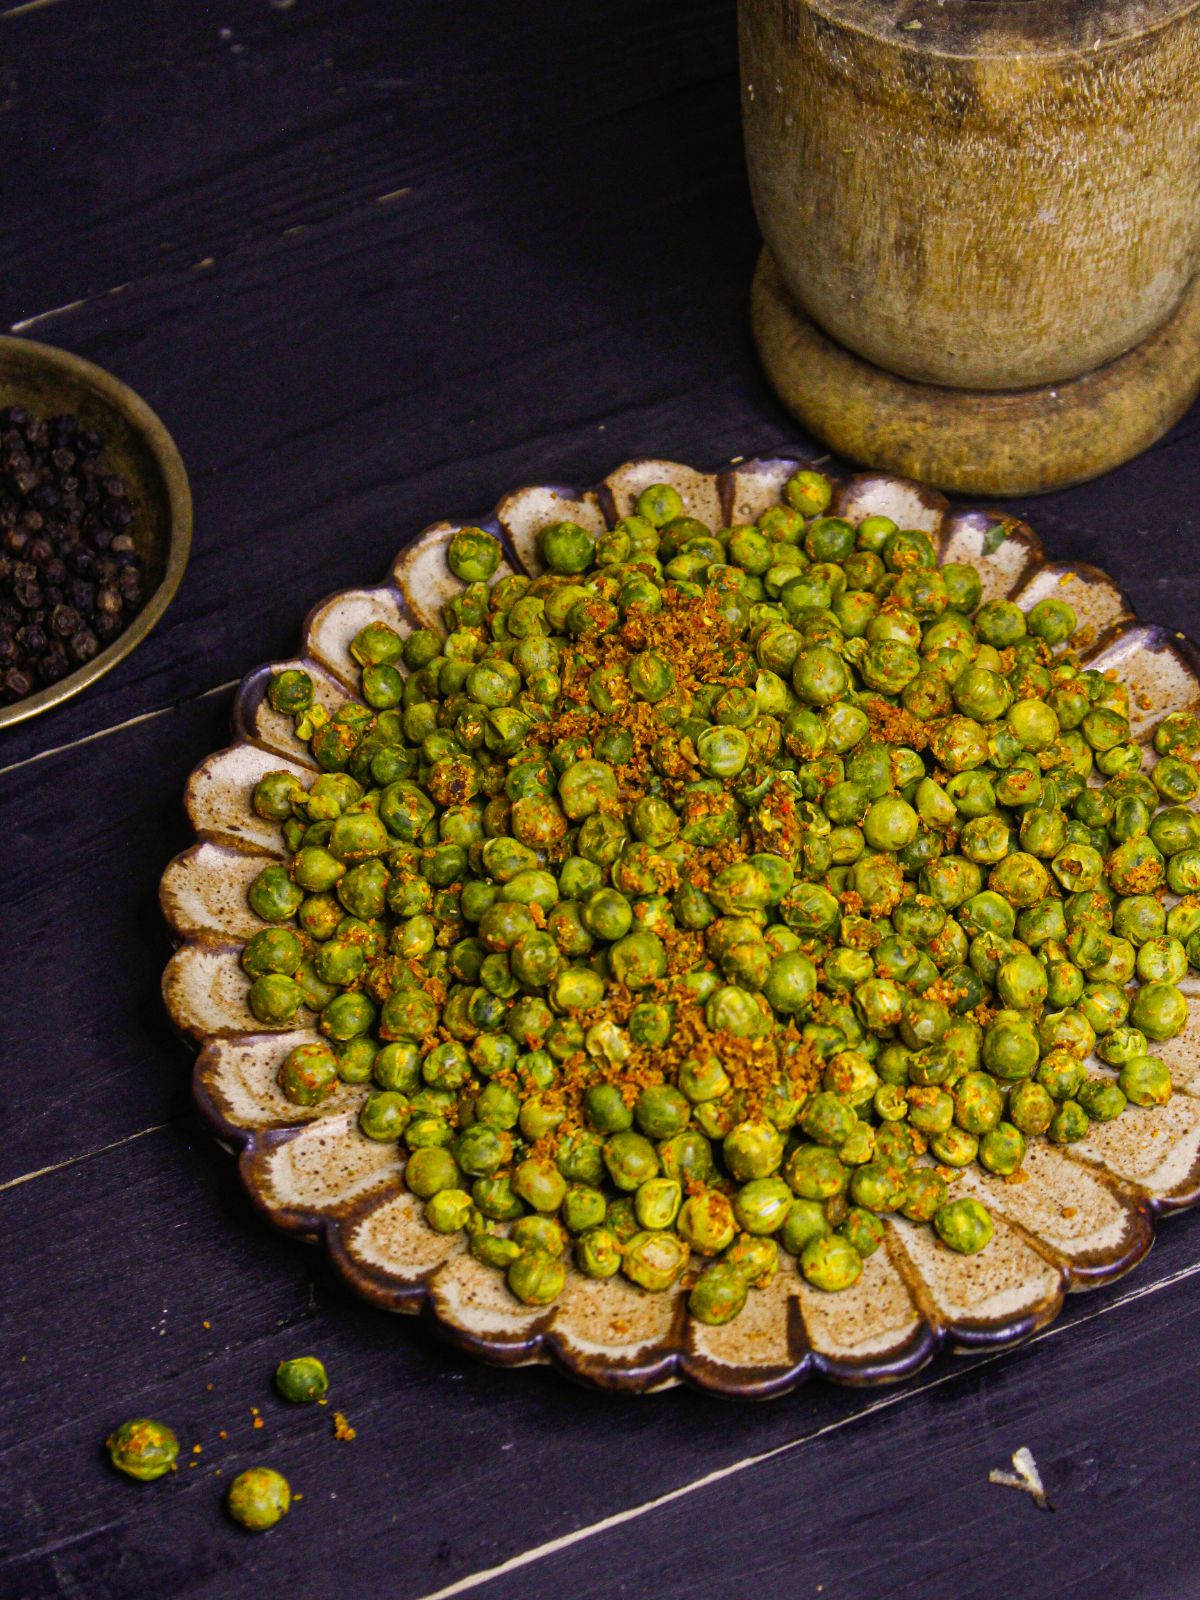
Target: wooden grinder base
pixel 1011 442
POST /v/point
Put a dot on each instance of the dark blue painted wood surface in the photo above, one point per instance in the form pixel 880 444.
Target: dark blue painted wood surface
pixel 375 264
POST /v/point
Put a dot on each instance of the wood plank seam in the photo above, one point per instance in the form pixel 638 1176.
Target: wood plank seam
pixel 72 305
pixel 86 1155
pixel 119 727
pixel 28 6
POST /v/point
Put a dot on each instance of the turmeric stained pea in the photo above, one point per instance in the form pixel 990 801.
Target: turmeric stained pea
pixel 143 1449
pixel 259 1498
pixel 680 900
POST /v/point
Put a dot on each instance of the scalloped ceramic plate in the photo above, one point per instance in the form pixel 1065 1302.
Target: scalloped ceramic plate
pixel 1084 1215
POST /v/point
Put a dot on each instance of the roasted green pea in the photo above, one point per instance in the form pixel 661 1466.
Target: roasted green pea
pixel 761 1206
pixel 831 1263
pixel 1102 1099
pixel 719 1294
pixel 1145 1081
pixel 1002 1149
pixel 1159 1010
pixel 143 1449
pixel 654 1260
pixel 1031 1108
pixel 308 1074
pixel 878 1186
pixel 536 1279
pixel 273 896
pixel 384 1115
pixel 924 1193
pixel 301 1380
pixel 259 1498
pixel 965 1225
pixel 430 1169
pixel 863 1230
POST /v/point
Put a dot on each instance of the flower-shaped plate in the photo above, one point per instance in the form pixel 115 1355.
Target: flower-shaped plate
pixel 1083 1215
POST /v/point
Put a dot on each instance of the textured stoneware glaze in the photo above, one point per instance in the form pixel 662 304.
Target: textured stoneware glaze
pixel 48 382
pixel 1084 1215
pixel 990 195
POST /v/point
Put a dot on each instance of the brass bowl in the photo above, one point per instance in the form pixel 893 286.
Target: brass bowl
pixel 49 382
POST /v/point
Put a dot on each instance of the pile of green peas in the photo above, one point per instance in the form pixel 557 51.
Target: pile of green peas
pixel 950 891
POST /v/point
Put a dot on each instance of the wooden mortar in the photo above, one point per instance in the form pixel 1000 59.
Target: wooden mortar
pixel 1000 197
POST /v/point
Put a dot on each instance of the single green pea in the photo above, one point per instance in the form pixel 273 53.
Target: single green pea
pixel 831 1263
pixel 791 983
pixel 809 492
pixel 630 1159
pixel 308 1074
pixel 955 1148
pixel 583 1207
pixel 1052 620
pixel 753 1149
pixel 719 1294
pixel 259 1498
pixel 535 1278
pixel 638 960
pixel 964 1225
pixel 978 1102
pixel 761 1206
pixel 275 999
pixel 290 692
pixel 273 895
pixel 878 1186
pixel 384 1115
pixel 659 504
pixel 301 1380
pixel 923 1196
pixel 863 1230
pixel 1159 1010
pixel 143 1449
pixel 661 1111
pixel 598 1253
pixel 448 1211
pixel 1002 1149
pixel 656 1202
pixel 1031 1109
pixel 756 1257
pixel 1010 1048
pixel 706 1222
pixel 495 1199
pixel 827 1119
pixel 541 1185
pixel 654 1260
pixel 430 1169
pixel 493 1249
pixel 1069 1123
pixel 1102 1099
pixel 1145 1081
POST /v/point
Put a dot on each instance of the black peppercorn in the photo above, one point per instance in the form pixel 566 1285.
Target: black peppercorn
pixel 83 646
pixel 70 574
pixel 18 683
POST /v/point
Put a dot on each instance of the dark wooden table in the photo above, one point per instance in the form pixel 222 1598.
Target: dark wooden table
pixel 376 264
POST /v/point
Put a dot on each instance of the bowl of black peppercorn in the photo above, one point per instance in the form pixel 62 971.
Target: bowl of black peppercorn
pixel 95 525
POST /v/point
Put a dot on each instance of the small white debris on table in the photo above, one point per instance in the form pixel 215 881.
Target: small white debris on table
pixel 1026 1477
